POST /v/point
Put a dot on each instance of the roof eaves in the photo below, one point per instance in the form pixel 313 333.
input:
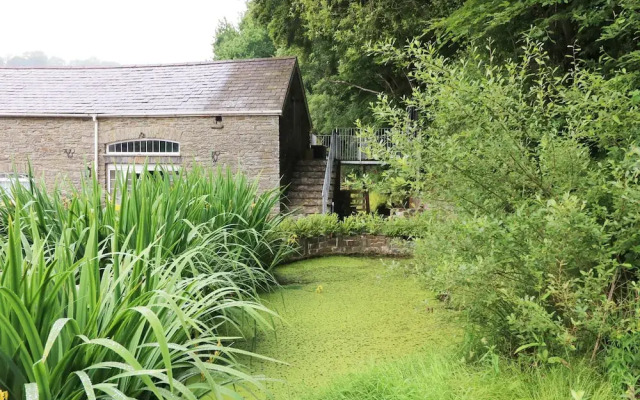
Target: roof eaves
pixel 142 115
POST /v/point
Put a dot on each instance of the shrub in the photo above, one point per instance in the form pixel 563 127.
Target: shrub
pixel 311 225
pixel 136 297
pixel 329 224
pixel 361 223
pixel 541 169
pixel 411 227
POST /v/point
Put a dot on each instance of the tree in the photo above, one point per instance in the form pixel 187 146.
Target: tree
pixel 605 30
pixel 40 59
pixel 248 40
pixel 332 38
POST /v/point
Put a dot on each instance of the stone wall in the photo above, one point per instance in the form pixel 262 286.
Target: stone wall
pixel 250 143
pixel 364 245
pixel 43 142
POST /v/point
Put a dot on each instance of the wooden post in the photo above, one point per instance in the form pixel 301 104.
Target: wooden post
pixel 367 207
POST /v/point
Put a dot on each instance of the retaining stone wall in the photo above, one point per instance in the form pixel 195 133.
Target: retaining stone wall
pixel 367 245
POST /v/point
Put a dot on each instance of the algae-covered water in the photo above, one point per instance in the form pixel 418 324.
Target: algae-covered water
pixel 341 315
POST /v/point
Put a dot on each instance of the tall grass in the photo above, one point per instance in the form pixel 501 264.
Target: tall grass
pixel 441 375
pixel 133 295
pixel 170 211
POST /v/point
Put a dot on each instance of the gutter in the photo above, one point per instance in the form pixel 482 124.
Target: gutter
pixel 95 145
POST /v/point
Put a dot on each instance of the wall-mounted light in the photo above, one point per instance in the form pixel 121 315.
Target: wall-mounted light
pixel 214 156
pixel 217 122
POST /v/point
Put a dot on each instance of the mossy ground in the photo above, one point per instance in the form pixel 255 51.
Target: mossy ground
pixel 343 315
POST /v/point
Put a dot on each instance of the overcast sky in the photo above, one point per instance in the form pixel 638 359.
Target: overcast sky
pixel 123 31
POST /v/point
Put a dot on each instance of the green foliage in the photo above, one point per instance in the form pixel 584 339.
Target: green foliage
pixel 392 188
pixel 329 224
pixel 413 226
pixel 541 170
pixel 330 39
pixel 108 299
pixel 440 375
pixel 248 40
pixel 312 225
pixel 605 30
pixel 161 208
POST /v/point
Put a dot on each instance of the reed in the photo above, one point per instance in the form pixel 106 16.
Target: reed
pixel 137 294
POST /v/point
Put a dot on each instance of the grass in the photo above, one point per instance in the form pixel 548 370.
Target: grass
pixel 440 375
pixel 342 315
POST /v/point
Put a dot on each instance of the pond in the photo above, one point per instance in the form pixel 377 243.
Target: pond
pixel 342 315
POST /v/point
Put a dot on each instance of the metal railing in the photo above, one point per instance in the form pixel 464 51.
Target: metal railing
pixel 350 146
pixel 328 172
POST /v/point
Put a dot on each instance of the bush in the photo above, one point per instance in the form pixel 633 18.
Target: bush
pixel 411 227
pixel 329 224
pixel 135 298
pixel 541 169
pixel 311 225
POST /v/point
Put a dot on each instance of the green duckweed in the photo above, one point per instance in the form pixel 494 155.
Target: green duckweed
pixel 342 315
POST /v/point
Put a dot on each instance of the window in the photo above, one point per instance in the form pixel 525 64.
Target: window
pixel 7 180
pixel 116 172
pixel 144 146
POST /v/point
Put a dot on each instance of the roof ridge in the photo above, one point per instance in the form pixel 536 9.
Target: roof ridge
pixel 160 65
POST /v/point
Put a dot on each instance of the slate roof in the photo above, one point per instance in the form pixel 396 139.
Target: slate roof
pixel 256 86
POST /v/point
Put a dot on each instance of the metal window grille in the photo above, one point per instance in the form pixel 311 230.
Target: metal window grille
pixel 144 146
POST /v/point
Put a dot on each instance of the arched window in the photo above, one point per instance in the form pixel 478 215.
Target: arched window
pixel 144 147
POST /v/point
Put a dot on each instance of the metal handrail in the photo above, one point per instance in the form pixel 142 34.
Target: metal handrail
pixel 350 146
pixel 326 186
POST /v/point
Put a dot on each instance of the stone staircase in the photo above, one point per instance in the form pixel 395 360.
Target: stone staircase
pixel 305 191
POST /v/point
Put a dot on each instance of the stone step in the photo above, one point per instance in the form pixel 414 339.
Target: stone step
pixel 304 193
pixel 306 180
pixel 294 192
pixel 296 206
pixel 307 194
pixel 306 200
pixel 310 168
pixel 302 184
pixel 311 174
pixel 311 165
pixel 312 162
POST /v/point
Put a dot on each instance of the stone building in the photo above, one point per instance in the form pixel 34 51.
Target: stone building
pixel 74 122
